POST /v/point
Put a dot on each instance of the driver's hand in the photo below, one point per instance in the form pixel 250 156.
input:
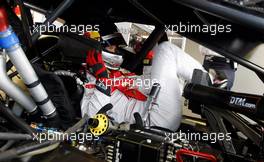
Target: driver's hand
pixel 96 64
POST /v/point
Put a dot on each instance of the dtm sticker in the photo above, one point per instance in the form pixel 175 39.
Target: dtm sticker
pixel 241 102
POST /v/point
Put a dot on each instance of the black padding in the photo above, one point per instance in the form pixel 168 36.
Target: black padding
pixel 200 77
pixel 75 47
pixel 75 92
pixel 58 95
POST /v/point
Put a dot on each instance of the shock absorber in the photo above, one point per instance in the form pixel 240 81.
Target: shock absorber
pixel 9 41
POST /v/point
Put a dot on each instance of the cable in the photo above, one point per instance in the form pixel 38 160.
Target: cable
pixel 14 136
pixel 16 120
pixel 69 74
pixel 8 144
pixel 78 125
pixel 33 148
pixel 41 151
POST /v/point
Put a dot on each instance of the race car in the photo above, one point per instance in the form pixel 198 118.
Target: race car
pixel 44 82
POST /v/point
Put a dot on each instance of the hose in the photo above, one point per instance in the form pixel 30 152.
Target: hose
pixel 70 74
pixel 65 73
pixel 33 148
pixel 10 42
pixel 31 80
pixel 16 152
pixel 12 90
pixel 41 151
pixel 78 125
pixel 14 136
pixel 7 145
pixel 5 111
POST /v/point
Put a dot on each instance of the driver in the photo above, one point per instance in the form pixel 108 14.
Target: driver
pixel 109 83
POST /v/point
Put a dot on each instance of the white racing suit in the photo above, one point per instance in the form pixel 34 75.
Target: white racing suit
pixel 170 65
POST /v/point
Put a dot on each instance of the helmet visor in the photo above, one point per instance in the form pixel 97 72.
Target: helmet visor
pixel 113 39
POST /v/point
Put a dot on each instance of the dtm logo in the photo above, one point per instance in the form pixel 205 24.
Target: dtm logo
pixel 238 101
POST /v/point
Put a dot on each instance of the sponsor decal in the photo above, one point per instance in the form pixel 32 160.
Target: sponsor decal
pixel 241 102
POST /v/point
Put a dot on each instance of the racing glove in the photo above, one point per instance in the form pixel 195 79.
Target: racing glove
pixel 96 64
pixel 97 68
